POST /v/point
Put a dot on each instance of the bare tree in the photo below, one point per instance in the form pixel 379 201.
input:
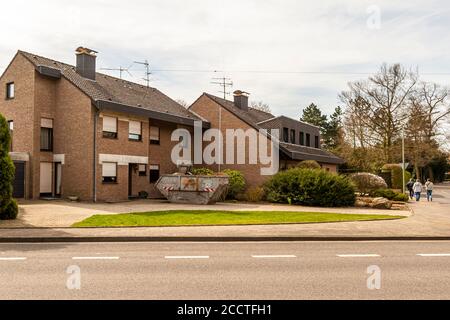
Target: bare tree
pixel 182 102
pixel 261 106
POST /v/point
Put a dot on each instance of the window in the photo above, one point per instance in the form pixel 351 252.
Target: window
pixel 46 134
pixel 109 172
pixel 154 135
pixel 10 93
pixel 302 138
pixel 135 131
pixel 142 170
pixel 285 134
pixel 11 130
pixel 316 142
pixel 109 127
pixel 154 173
pixel 308 140
pixel 292 136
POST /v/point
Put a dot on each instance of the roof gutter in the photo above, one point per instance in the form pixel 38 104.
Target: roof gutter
pixel 104 105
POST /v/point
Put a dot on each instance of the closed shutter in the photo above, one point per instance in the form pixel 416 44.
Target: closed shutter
pixel 46 123
pixel 110 124
pixel 109 169
pixel 135 127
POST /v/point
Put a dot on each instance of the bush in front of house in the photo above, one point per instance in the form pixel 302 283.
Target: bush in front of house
pixel 390 195
pixel 254 194
pixel 202 172
pixel 309 164
pixel 367 182
pixel 236 183
pixel 396 175
pixel 8 206
pixel 310 187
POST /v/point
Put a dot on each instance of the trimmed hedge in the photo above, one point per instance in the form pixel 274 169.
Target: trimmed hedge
pixel 396 175
pixel 310 187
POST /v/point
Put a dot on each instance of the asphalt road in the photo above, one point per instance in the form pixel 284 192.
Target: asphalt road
pixel 293 270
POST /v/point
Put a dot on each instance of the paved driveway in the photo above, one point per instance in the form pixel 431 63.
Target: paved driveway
pixel 60 214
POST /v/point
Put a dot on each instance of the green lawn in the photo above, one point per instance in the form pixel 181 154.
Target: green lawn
pixel 213 217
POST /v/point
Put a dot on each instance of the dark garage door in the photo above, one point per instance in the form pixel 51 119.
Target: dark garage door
pixel 19 180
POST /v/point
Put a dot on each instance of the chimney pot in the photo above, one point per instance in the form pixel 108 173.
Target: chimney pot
pixel 86 62
pixel 241 99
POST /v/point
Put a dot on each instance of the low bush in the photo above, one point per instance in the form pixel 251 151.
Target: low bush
pixel 202 172
pixel 309 164
pixel 143 194
pixel 390 195
pixel 236 183
pixel 310 187
pixel 367 182
pixel 254 194
pixel 10 211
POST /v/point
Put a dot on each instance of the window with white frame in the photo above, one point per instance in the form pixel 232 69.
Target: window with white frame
pixel 11 131
pixel 109 127
pixel 10 92
pixel 109 172
pixel 154 135
pixel 135 130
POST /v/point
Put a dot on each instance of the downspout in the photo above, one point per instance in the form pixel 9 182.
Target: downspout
pixel 94 178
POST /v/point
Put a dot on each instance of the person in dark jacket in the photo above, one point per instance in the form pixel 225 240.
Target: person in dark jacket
pixel 409 186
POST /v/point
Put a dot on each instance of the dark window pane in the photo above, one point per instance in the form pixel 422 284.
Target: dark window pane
pixel 110 135
pixel 285 134
pixel 293 136
pixel 308 140
pixel 302 138
pixel 154 173
pixel 46 139
pixel 316 142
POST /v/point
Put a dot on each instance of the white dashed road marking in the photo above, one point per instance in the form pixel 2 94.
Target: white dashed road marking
pixel 434 254
pixel 13 259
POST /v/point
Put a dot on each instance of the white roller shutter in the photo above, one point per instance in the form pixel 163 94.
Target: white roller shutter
pixel 109 124
pixel 135 127
pixel 109 169
pixel 46 123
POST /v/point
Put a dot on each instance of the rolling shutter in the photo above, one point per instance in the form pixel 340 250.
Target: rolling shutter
pixel 109 124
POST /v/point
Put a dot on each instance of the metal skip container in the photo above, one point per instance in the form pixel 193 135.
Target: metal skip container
pixel 193 189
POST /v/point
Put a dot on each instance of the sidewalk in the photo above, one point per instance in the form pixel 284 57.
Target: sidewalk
pixel 428 221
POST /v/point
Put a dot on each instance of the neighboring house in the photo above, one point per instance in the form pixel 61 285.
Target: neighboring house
pixel 298 140
pixel 76 132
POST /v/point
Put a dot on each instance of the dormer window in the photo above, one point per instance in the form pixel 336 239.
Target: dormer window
pixel 10 93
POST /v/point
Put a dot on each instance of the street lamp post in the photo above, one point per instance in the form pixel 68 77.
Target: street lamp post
pixel 403 161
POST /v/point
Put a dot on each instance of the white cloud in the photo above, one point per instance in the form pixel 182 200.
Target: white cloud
pixel 237 36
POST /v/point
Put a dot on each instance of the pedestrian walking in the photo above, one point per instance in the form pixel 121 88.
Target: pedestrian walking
pixel 429 187
pixel 417 188
pixel 409 186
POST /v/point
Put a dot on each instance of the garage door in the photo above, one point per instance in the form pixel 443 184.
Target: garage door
pixel 19 180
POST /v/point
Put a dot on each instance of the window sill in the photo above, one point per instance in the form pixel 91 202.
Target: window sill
pixel 110 182
pixel 45 150
pixel 134 140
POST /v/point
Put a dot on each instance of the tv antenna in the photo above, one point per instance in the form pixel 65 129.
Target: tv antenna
pixel 120 69
pixel 147 71
pixel 224 83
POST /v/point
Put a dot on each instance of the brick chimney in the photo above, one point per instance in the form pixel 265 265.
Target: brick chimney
pixel 86 59
pixel 241 99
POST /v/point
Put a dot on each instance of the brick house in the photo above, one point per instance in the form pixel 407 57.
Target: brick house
pixel 298 140
pixel 76 132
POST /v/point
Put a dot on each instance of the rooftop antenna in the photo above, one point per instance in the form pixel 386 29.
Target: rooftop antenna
pixel 147 72
pixel 120 69
pixel 224 83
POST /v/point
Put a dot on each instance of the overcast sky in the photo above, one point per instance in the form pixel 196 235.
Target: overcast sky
pixel 260 45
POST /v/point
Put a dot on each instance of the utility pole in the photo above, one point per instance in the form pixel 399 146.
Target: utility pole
pixel 147 72
pixel 224 83
pixel 403 160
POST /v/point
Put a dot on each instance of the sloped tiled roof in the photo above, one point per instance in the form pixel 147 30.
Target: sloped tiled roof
pixel 115 90
pixel 263 120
